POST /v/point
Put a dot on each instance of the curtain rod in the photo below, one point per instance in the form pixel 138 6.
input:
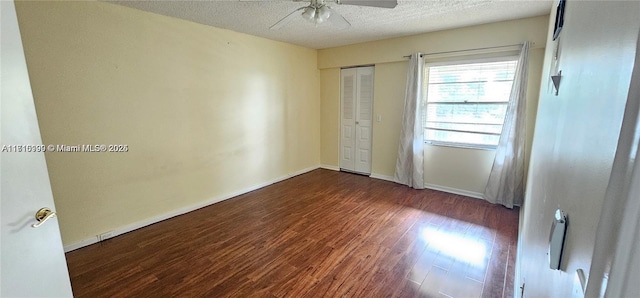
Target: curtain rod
pixel 468 50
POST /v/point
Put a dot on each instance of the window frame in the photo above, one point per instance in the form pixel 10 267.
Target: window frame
pixel 461 61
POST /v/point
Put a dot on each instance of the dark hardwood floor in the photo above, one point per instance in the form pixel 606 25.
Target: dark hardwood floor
pixel 320 234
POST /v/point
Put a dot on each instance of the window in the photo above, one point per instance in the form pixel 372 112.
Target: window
pixel 466 103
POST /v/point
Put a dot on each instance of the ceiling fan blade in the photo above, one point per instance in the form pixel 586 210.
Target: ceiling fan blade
pixel 286 19
pixel 338 20
pixel 372 3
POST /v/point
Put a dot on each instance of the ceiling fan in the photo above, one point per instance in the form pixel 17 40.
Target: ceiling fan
pixel 318 11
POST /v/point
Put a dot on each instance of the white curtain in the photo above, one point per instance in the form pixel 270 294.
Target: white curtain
pixel 506 181
pixel 410 165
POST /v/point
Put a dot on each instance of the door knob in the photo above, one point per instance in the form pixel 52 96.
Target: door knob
pixel 42 216
pixel 357 122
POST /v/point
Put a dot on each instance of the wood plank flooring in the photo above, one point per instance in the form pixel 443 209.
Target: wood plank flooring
pixel 320 234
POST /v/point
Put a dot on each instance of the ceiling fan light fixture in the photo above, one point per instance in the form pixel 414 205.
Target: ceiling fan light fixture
pixel 309 13
pixel 323 14
pixel 317 11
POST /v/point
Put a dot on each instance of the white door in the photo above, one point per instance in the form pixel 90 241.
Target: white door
pixel 348 122
pixel 32 259
pixel 356 122
pixel 364 117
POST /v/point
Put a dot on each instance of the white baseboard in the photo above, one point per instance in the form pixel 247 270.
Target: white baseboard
pixel 330 167
pixel 159 218
pixel 382 177
pixel 80 244
pixel 452 190
pixel 373 175
pixel 434 187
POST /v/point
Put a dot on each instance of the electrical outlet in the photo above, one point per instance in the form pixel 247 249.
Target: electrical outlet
pixel 105 236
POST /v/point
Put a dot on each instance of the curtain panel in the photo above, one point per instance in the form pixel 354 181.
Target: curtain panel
pixel 410 163
pixel 506 180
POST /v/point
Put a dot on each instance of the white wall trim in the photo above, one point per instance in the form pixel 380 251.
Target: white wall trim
pixel 382 177
pixel 330 167
pixel 452 190
pixel 372 175
pixel 159 218
pixel 81 243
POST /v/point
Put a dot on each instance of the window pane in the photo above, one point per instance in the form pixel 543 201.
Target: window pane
pixel 461 137
pixel 487 71
pixel 481 128
pixel 466 113
pixel 467 103
pixel 469 92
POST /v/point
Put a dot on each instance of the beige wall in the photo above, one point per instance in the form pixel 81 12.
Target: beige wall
pixel 575 141
pixel 205 112
pixel 481 36
pixel 330 79
pixel 388 102
pixel 456 169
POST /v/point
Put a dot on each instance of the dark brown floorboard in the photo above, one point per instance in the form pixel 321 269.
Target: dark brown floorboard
pixel 320 234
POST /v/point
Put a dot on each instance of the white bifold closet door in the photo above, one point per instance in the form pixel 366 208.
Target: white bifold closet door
pixel 356 109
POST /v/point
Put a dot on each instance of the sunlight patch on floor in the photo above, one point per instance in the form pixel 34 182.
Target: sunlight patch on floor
pixel 469 251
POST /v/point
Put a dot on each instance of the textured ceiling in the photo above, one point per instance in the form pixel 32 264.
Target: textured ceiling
pixel 367 23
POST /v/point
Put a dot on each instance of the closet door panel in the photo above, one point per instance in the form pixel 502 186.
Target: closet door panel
pixel 364 119
pixel 348 93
